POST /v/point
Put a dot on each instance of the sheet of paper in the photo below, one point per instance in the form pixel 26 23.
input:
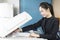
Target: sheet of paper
pixel 12 24
pixel 20 34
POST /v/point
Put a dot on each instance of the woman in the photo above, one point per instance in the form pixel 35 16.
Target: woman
pixel 49 23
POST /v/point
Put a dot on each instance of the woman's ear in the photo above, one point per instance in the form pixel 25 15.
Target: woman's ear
pixel 48 10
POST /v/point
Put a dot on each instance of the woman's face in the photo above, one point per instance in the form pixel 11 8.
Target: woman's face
pixel 43 12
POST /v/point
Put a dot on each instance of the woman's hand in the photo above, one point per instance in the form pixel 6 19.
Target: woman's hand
pixel 34 35
pixel 18 30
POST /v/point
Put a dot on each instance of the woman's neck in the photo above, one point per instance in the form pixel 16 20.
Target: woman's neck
pixel 49 15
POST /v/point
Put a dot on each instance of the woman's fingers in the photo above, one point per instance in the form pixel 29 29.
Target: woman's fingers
pixel 34 35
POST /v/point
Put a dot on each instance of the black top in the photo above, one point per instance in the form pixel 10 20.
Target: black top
pixel 49 25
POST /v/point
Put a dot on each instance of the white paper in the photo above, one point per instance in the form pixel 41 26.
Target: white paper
pixel 20 34
pixel 13 23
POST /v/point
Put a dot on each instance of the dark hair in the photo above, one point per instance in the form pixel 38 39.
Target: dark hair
pixel 46 5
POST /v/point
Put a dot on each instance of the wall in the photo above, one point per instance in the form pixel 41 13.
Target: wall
pixel 56 6
pixel 15 4
pixel 2 1
pixel 32 7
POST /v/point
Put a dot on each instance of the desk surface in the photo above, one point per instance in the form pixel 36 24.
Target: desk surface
pixel 22 38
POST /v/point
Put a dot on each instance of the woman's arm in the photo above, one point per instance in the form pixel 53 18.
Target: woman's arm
pixel 33 26
pixel 48 36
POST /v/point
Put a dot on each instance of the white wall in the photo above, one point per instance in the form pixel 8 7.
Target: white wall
pixel 15 4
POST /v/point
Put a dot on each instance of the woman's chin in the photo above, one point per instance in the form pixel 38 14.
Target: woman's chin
pixel 44 16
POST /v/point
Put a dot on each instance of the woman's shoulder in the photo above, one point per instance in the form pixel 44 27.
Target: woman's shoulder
pixel 55 19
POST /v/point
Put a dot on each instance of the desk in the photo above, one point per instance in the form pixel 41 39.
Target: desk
pixel 22 38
